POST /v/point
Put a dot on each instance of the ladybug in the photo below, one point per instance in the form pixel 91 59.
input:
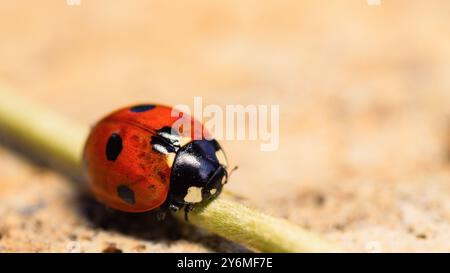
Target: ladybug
pixel 135 162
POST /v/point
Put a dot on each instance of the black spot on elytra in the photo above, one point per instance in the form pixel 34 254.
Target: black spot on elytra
pixel 142 108
pixel 126 194
pixel 113 147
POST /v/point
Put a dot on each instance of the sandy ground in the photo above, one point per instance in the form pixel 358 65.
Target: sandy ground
pixel 364 125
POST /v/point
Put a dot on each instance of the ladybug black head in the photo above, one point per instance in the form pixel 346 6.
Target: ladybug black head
pixel 198 172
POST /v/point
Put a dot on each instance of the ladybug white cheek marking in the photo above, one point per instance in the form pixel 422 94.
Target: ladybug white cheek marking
pixel 221 157
pixel 194 195
pixel 224 180
pixel 212 191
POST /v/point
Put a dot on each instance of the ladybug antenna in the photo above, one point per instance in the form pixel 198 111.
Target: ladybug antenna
pixel 232 170
pixel 228 173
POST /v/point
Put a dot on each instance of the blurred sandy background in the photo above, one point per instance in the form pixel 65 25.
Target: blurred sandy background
pixel 364 93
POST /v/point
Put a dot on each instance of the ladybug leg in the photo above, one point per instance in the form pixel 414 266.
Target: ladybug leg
pixel 188 208
pixel 162 211
pixel 161 214
pixel 166 206
pixel 175 207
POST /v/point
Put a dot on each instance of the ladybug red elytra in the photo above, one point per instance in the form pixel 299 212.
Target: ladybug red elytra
pixel 135 162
